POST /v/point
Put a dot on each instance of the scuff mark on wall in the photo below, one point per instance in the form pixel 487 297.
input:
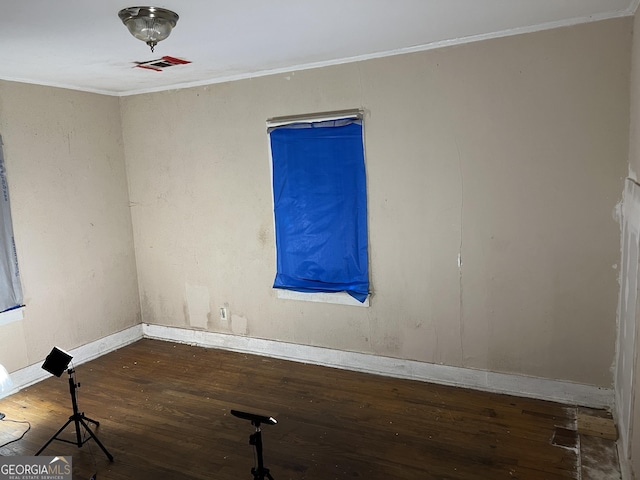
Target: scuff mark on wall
pixel 185 312
pixel 239 325
pixel 263 236
pixel 617 213
pixel 147 308
pixel 198 305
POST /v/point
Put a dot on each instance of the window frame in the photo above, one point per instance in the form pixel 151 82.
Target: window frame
pixel 341 297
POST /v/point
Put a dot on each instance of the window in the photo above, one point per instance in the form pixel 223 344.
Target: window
pixel 10 287
pixel 320 205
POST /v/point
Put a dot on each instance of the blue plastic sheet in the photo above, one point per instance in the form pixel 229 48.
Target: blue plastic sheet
pixel 320 206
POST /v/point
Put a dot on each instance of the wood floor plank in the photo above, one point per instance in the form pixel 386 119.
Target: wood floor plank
pixel 164 412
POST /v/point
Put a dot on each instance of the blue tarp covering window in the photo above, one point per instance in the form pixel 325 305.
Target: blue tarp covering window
pixel 320 207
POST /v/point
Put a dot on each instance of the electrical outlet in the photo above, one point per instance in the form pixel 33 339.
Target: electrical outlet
pixel 223 314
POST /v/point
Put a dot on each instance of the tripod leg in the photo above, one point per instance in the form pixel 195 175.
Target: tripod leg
pixel 55 436
pixel 90 420
pixel 259 473
pixel 76 420
pixel 106 452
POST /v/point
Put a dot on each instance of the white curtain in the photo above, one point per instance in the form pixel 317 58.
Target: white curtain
pixel 10 287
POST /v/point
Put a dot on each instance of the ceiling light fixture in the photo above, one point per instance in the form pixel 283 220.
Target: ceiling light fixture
pixel 149 24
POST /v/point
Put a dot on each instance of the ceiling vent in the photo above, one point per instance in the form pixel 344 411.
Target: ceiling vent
pixel 161 63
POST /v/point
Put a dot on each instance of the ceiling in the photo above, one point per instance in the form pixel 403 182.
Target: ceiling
pixel 83 45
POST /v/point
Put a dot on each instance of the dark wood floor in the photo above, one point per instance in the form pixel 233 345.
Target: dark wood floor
pixel 164 413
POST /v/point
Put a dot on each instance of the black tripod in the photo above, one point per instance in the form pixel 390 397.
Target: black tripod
pixel 78 418
pixel 255 439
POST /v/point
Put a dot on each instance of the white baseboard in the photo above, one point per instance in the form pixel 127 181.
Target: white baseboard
pixel 626 471
pixel 518 385
pixel 33 373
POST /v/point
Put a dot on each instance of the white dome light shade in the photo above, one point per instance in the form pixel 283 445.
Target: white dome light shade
pixel 149 24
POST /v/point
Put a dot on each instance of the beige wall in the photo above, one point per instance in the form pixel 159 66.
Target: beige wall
pixel 65 166
pixel 509 152
pixel 633 449
pixel 634 123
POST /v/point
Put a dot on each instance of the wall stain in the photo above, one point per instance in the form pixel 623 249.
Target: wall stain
pixel 263 236
pixel 185 310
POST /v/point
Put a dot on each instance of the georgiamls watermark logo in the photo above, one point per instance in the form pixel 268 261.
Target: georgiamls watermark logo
pixel 35 468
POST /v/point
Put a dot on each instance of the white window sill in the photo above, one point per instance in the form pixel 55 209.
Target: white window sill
pixel 340 298
pixel 11 316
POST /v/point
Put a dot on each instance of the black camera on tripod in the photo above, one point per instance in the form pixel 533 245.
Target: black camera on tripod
pixel 255 439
